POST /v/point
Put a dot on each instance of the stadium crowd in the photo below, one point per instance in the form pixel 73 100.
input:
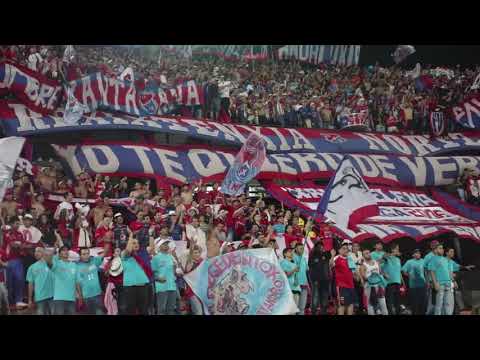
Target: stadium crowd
pixel 110 257
pixel 270 92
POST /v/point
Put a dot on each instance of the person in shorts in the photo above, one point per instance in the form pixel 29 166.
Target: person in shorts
pixel 345 289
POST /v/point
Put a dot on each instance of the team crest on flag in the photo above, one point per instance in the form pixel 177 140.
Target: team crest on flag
pixel 437 123
pixel 247 165
pixel 148 103
pixel 347 199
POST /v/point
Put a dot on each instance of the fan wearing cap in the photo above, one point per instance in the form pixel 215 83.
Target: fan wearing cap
pixel 121 232
pixel 64 278
pixel 414 269
pixel 163 266
pixel 32 238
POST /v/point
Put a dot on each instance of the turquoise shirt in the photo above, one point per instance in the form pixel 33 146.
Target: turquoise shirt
pixel 453 266
pixel 163 266
pixel 416 273
pixel 441 268
pixel 40 275
pixel 64 275
pixel 377 255
pixel 392 267
pixel 287 265
pixel 87 277
pixel 133 274
pixel 301 262
pixel 279 229
pixel 351 263
pixel 426 261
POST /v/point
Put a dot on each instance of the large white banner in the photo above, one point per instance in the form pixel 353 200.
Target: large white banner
pixel 317 54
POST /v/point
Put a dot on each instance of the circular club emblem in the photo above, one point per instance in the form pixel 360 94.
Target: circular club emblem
pixel 148 103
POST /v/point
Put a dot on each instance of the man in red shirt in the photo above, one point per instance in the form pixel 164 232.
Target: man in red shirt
pixel 13 242
pixel 344 280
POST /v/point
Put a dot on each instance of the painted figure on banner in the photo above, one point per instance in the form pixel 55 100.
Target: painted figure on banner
pixel 74 109
pixel 247 165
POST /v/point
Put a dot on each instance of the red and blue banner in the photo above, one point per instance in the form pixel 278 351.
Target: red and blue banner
pixel 467 113
pixel 185 164
pixel 403 212
pixel 32 88
pixel 98 91
pixel 19 120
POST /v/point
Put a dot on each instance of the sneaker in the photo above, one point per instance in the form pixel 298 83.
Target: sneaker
pixel 21 305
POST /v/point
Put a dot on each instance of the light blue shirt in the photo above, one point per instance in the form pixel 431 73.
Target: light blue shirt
pixel 392 268
pixel 64 275
pixel 87 277
pixel 279 229
pixel 301 262
pixel 453 266
pixel 289 266
pixel 163 266
pixel 377 255
pixel 440 266
pixel 40 275
pixel 133 274
pixel 416 273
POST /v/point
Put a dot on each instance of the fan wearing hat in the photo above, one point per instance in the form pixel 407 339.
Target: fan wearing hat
pixel 64 278
pixel 414 269
pixel 163 266
pixel 121 232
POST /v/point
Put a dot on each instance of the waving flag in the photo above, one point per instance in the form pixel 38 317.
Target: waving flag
pixel 415 73
pixel 347 199
pixel 74 109
pixel 10 149
pixel 476 83
pixel 246 166
pixel 247 282
pixel 438 124
pixel 69 54
pixel 402 52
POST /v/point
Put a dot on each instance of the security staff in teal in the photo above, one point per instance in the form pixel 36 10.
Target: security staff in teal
pixel 88 282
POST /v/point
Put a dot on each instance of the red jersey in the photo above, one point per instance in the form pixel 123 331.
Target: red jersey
pixel 291 238
pixel 343 274
pixel 13 251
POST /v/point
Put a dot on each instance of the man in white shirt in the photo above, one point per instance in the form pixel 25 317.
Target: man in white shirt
pixel 65 205
pixel 30 233
pixel 34 60
pixel 224 88
pixel 195 235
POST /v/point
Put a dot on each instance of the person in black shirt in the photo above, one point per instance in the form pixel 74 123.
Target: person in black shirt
pixel 320 276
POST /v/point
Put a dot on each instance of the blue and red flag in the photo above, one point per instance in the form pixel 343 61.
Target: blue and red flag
pixel 247 165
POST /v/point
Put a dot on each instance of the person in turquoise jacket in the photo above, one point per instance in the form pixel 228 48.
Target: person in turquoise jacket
pixel 301 262
pixel 88 282
pixel 64 289
pixel 290 268
pixel 136 275
pixel 40 284
pixel 163 266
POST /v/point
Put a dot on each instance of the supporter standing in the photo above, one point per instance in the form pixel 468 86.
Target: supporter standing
pixel 391 267
pixel 320 275
pixel 415 270
pixel 345 290
pixel 40 283
pixel 302 278
pixel 163 266
pixel 374 285
pixel 88 282
pixel 442 279
pixel 64 288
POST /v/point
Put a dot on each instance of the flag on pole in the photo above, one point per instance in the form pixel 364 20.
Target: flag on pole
pixel 402 52
pixel 69 54
pixel 74 109
pixel 476 83
pixel 10 149
pixel 247 165
pixel 415 73
pixel 347 199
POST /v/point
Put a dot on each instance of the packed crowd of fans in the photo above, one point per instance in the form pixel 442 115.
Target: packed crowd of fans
pixel 58 256
pixel 270 92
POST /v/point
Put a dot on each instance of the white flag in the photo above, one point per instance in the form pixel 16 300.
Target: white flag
pixel 402 52
pixel 415 73
pixel 10 149
pixel 347 199
pixel 476 83
pixel 74 109
pixel 69 54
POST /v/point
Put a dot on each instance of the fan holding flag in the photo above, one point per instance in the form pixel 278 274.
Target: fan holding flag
pixel 347 200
